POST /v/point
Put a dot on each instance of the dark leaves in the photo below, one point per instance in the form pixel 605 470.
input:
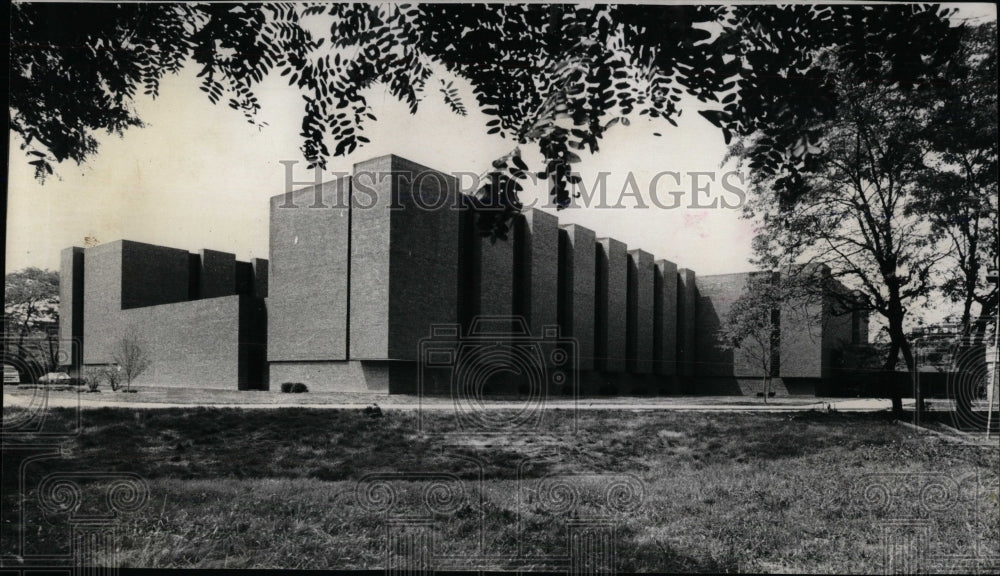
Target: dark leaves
pixel 557 76
pixel 452 99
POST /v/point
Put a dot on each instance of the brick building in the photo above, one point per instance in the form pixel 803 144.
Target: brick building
pixel 371 275
pixel 201 315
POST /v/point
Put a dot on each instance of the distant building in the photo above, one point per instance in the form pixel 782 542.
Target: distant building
pixel 813 330
pixel 370 274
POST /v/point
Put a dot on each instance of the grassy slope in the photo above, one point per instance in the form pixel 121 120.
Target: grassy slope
pixel 749 492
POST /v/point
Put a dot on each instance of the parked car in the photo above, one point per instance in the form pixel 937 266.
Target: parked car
pixel 11 375
pixel 53 377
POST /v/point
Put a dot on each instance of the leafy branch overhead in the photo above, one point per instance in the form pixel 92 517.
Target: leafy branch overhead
pixel 554 76
pixel 452 99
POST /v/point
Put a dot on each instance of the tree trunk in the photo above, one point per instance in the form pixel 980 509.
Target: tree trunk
pixel 888 368
pixel 987 314
pixel 967 302
pixel 899 343
pixel 20 339
pixel 24 332
pixel 53 353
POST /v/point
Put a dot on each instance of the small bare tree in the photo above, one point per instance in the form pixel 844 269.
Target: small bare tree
pixel 749 327
pixel 752 327
pixel 131 355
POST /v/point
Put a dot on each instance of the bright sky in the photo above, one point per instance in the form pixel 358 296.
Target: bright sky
pixel 199 176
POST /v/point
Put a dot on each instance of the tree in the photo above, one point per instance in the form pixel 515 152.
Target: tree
pixel 853 209
pixel 959 192
pixel 31 306
pixel 131 355
pixel 555 76
pixel 750 327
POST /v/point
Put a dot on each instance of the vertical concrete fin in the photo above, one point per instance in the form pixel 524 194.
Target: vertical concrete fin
pixel 665 318
pixel 611 295
pixel 577 283
pixel 260 272
pixel 424 255
pixel 307 307
pixel 152 275
pixel 71 290
pixel 536 275
pixel 194 276
pixel 639 316
pixel 686 304
pixel 404 257
pixel 218 274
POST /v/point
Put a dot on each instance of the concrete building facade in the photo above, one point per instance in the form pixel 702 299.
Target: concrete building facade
pixel 372 272
pixel 153 294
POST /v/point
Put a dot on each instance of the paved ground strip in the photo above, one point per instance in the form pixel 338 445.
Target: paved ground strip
pixel 153 399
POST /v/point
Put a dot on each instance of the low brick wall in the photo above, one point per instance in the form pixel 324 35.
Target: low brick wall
pixel 844 383
pixel 197 344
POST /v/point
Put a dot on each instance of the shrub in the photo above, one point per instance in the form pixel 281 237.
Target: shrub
pixel 93 376
pixel 114 377
pixel 293 387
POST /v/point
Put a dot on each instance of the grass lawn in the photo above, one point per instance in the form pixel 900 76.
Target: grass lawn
pixel 682 491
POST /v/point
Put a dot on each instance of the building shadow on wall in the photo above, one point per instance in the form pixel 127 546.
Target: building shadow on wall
pixel 714 369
